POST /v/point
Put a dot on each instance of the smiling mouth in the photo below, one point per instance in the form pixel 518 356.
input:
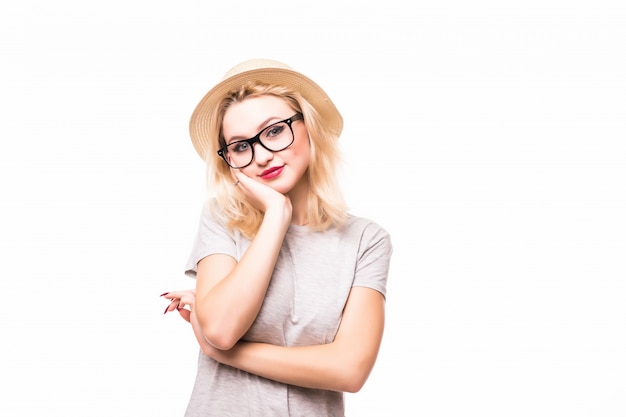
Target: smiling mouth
pixel 271 172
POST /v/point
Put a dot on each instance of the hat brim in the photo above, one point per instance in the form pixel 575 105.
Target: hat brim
pixel 199 127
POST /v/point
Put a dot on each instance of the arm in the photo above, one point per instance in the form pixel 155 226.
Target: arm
pixel 343 365
pixel 229 295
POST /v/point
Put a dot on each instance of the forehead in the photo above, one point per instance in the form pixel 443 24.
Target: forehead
pixel 247 117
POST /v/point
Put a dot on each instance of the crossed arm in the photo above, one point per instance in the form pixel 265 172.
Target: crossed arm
pixel 227 300
pixel 342 365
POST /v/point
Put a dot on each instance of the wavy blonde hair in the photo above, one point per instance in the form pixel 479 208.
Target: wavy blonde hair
pixel 326 206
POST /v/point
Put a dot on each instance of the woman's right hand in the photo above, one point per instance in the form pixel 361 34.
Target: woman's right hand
pixel 261 196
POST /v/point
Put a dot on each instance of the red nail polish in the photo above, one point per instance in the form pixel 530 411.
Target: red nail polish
pixel 165 293
pixel 166 309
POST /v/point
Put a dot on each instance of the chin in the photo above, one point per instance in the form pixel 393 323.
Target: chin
pixel 281 188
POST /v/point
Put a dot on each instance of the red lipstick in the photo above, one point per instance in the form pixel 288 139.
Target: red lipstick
pixel 271 172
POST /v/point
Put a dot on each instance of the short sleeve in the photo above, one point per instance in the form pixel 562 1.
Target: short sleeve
pixel 374 257
pixel 212 237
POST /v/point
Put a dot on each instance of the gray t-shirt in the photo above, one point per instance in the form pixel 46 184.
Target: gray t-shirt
pixel 303 305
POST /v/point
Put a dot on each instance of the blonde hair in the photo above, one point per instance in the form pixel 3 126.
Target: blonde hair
pixel 326 206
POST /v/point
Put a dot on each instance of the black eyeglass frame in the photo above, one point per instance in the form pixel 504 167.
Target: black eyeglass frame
pixel 257 139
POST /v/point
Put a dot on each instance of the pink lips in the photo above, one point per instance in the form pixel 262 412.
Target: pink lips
pixel 272 172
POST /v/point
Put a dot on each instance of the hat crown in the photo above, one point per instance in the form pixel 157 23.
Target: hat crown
pixel 254 64
pixel 269 71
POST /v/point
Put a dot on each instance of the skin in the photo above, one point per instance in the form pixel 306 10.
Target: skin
pixel 229 294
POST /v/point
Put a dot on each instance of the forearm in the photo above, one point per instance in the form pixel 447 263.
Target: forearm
pixel 328 366
pixel 318 367
pixel 343 365
pixel 228 308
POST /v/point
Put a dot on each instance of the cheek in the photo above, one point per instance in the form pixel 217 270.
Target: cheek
pixel 301 154
pixel 302 147
pixel 249 171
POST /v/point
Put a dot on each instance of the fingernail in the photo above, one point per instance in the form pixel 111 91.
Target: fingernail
pixel 165 293
pixel 166 309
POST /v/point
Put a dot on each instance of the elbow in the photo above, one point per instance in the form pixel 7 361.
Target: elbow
pixel 354 377
pixel 219 337
pixel 354 384
pixel 220 334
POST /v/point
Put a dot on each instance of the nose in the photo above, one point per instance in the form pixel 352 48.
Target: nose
pixel 261 155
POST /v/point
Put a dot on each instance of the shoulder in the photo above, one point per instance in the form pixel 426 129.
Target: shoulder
pixel 213 220
pixel 368 232
pixel 363 225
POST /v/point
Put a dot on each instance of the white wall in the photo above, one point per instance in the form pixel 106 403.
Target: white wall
pixel 488 137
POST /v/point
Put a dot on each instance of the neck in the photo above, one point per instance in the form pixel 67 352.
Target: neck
pixel 299 196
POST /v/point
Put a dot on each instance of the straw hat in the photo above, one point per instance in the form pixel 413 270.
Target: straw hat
pixel 265 70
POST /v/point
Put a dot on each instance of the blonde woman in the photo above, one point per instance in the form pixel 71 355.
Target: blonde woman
pixel 289 302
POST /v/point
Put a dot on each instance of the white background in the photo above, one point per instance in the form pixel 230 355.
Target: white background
pixel 488 137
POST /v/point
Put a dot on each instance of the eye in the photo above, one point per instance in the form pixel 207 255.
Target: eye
pixel 274 130
pixel 239 147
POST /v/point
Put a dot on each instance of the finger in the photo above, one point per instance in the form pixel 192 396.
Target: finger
pixel 170 295
pixel 172 306
pixel 239 178
pixel 185 314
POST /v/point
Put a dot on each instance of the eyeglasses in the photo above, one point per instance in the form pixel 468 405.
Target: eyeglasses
pixel 276 137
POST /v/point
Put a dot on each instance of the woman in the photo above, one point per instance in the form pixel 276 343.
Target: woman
pixel 289 302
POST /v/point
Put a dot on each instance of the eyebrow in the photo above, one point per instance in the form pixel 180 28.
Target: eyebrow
pixel 260 127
